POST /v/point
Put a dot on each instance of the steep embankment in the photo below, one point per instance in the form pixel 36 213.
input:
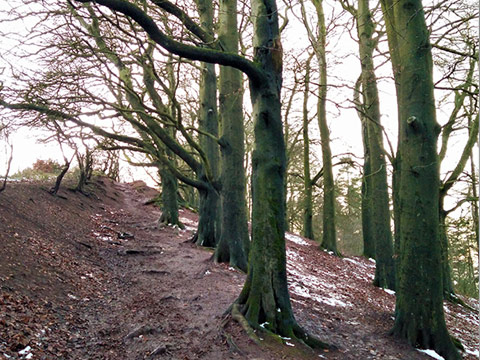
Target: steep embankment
pixel 93 278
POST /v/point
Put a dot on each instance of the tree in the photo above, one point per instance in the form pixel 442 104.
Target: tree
pixel 375 170
pixel 8 164
pixel 208 123
pixel 308 186
pixel 419 316
pixel 329 238
pixel 457 60
pixel 234 242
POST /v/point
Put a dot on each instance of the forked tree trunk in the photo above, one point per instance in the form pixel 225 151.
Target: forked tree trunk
pixel 234 240
pixel 419 303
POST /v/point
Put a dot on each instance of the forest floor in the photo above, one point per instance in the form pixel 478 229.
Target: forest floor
pixel 92 277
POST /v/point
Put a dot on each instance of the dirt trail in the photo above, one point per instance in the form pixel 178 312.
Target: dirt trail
pixel 164 298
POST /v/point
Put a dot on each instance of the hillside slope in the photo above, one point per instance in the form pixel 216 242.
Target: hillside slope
pixel 93 278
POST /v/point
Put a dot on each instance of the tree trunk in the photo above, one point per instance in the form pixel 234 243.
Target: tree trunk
pixel 419 304
pixel 380 209
pixel 448 291
pixel 329 239
pixel 209 210
pixel 265 297
pixel 234 240
pixel 307 181
pixel 169 205
pixel 58 181
pixel 367 232
pixel 208 231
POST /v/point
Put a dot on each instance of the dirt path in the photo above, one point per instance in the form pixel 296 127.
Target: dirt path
pixel 163 299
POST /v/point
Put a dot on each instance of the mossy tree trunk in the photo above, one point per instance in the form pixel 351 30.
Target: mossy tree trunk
pixel 419 316
pixel 169 201
pixel 234 240
pixel 168 180
pixel 265 297
pixel 209 211
pixel 379 198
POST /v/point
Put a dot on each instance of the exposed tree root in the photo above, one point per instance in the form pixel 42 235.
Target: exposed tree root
pixel 142 330
pixel 237 316
pixel 454 299
pixel 299 334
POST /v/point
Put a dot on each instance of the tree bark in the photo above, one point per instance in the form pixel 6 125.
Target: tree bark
pixel 379 198
pixel 419 303
pixel 234 240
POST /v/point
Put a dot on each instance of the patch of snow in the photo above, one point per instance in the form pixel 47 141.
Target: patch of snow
pixel 372 260
pixel 294 256
pixel 231 268
pixel 263 325
pixel 305 292
pixel 286 338
pixel 472 352
pixel 278 310
pixel 388 291
pixel 29 356
pixel 330 252
pixel 189 228
pixel 187 221
pixel 432 353
pixel 72 297
pixel 207 272
pixel 296 239
pixel 25 351
pixel 7 356
pixel 289 344
pixel 354 262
